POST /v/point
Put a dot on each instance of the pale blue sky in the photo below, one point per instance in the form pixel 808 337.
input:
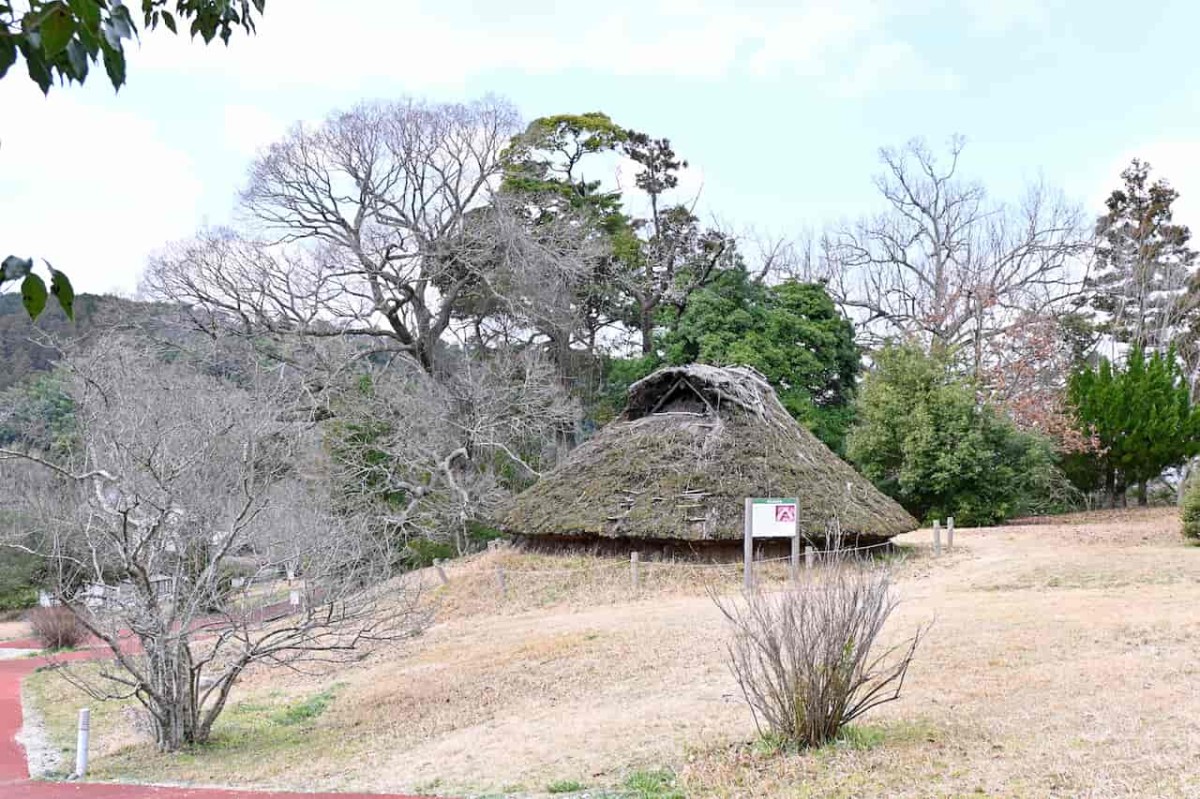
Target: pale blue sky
pixel 780 107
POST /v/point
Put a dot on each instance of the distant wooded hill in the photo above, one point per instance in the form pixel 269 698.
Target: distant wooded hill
pixel 23 344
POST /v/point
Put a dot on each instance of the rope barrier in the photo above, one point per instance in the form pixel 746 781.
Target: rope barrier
pixel 683 566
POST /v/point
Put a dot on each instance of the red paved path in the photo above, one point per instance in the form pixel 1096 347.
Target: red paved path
pixel 14 772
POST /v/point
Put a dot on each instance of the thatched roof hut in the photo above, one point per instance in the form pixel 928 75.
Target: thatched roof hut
pixel 691 444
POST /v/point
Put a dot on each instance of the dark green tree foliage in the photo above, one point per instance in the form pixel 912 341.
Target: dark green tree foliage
pixel 546 163
pixel 1141 416
pixel 38 414
pixel 61 39
pixel 34 415
pixel 20 574
pixel 791 332
pixel 1189 513
pixel 617 375
pixel 922 438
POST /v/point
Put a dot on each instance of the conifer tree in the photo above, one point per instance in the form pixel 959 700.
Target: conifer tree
pixel 1141 416
pixel 1144 264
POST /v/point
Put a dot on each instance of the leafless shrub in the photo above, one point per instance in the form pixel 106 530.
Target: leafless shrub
pixel 56 627
pixel 803 657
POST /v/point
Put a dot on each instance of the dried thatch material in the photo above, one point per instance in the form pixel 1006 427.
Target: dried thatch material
pixel 692 443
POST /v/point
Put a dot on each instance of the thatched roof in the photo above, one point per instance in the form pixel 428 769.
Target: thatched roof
pixel 692 443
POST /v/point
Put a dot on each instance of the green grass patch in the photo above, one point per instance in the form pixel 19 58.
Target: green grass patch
pixel 307 709
pixel 863 737
pixel 564 786
pixel 658 784
pixel 853 737
pixel 896 554
pixel 268 728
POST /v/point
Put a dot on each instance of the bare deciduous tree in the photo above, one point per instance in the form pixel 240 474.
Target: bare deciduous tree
pixel 946 264
pixel 443 453
pixel 178 476
pixel 382 199
pixel 806 658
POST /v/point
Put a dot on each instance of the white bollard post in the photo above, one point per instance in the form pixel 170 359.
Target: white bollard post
pixel 937 537
pixel 633 569
pixel 810 556
pixel 81 743
pixel 949 532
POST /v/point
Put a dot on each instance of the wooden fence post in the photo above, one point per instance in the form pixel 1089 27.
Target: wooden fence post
pixel 937 537
pixel 950 532
pixel 748 548
pixel 500 582
pixel 633 569
pixel 810 556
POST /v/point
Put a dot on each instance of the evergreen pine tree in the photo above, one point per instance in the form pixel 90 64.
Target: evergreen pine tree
pixel 1144 265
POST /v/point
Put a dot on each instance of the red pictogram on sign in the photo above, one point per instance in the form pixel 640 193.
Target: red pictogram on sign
pixel 785 513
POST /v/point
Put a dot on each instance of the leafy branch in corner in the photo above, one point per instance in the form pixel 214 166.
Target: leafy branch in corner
pixel 34 293
pixel 62 39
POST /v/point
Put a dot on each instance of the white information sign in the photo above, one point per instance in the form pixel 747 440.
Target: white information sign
pixel 773 517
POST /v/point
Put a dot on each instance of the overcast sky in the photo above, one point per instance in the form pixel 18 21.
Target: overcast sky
pixel 780 107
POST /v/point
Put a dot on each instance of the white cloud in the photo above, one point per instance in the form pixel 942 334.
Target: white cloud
pixel 88 188
pixel 248 128
pixel 302 45
pixel 893 63
pixel 94 187
pixel 1003 16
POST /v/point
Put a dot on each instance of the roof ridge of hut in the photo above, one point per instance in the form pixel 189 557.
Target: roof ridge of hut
pixel 743 386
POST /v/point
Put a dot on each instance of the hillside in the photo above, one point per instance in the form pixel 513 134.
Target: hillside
pixel 23 343
pixel 1061 662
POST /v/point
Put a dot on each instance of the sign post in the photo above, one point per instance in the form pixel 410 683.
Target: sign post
pixel 796 553
pixel 748 547
pixel 770 517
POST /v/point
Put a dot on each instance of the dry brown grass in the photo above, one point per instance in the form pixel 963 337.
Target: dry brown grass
pixel 1062 662
pixel 13 630
pixel 538 581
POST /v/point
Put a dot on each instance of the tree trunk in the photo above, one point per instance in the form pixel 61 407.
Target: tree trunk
pixel 1143 495
pixel 1110 485
pixel 173 698
pixel 176 726
pixel 647 327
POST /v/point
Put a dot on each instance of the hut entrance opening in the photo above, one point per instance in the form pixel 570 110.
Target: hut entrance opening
pixel 683 397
